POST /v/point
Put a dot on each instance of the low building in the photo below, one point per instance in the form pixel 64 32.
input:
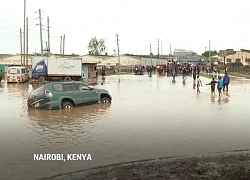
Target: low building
pixel 15 60
pixel 239 57
pixel 124 61
pixel 95 59
pixel 183 52
pixel 147 61
pixel 89 70
pixel 226 52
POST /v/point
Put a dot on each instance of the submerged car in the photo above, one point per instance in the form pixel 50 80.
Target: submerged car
pixel 65 95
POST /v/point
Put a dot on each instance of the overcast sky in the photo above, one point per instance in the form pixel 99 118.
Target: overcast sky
pixel 186 24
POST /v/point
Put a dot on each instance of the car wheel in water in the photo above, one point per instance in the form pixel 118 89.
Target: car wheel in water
pixel 105 100
pixel 67 105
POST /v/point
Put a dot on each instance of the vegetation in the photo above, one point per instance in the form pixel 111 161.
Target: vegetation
pixel 206 75
pixel 96 46
pixel 213 53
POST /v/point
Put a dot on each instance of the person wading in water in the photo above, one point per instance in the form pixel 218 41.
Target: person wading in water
pixel 220 85
pixel 1 75
pixel 226 81
pixel 199 83
pixel 194 76
pixel 212 83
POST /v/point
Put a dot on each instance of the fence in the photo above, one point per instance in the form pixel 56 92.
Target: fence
pixel 115 70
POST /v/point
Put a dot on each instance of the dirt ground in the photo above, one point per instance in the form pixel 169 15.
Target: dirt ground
pixel 226 166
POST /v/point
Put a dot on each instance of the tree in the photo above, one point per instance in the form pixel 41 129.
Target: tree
pixel 96 46
pixel 212 53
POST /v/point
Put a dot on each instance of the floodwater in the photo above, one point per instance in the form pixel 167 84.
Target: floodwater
pixel 148 118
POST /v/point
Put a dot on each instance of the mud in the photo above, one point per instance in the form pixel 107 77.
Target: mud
pixel 227 166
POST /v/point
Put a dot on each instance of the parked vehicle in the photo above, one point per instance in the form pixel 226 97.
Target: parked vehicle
pixel 58 69
pixel 17 74
pixel 65 95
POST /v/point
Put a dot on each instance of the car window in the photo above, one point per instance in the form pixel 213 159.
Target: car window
pixel 13 71
pixel 80 86
pixel 39 68
pixel 57 87
pixel 70 87
pixel 37 92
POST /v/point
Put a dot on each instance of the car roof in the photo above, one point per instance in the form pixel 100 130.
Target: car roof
pixel 65 82
pixel 16 67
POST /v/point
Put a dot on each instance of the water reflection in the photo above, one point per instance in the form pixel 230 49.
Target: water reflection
pixel 213 98
pixel 17 87
pixel 119 81
pixel 225 93
pixel 219 99
pixel 59 119
pixel 194 85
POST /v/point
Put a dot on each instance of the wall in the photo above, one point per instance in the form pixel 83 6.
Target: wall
pixel 85 70
pixel 14 60
pixel 92 72
pixel 147 61
pixel 244 58
pixel 124 60
pixel 2 67
pixel 89 70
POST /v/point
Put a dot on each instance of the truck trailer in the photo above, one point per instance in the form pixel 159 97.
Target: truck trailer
pixel 58 69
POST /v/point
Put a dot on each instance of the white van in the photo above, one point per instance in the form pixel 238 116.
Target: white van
pixel 17 74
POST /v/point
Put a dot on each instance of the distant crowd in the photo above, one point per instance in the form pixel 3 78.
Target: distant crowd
pixel 188 69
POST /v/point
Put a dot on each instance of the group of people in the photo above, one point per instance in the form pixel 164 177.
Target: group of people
pixel 139 70
pixel 222 84
pixel 184 69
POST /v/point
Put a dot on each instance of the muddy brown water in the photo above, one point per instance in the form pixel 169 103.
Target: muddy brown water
pixel 148 118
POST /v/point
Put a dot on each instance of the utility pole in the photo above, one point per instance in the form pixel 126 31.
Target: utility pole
pixel 24 18
pixel 170 51
pixel 48 36
pixel 63 44
pixel 161 49
pixel 21 46
pixel 27 47
pixel 118 52
pixel 209 54
pixel 41 30
pixel 46 48
pixel 158 54
pixel 151 54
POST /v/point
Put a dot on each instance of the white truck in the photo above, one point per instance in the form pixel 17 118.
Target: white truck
pixel 58 69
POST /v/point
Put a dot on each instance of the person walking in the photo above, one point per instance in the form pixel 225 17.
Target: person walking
pixel 1 75
pixel 220 85
pixel 199 83
pixel 194 76
pixel 103 73
pixel 226 81
pixel 212 83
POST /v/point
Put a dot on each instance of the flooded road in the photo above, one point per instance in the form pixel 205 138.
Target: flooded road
pixel 148 118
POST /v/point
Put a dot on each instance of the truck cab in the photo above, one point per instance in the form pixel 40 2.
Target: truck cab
pixel 40 70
